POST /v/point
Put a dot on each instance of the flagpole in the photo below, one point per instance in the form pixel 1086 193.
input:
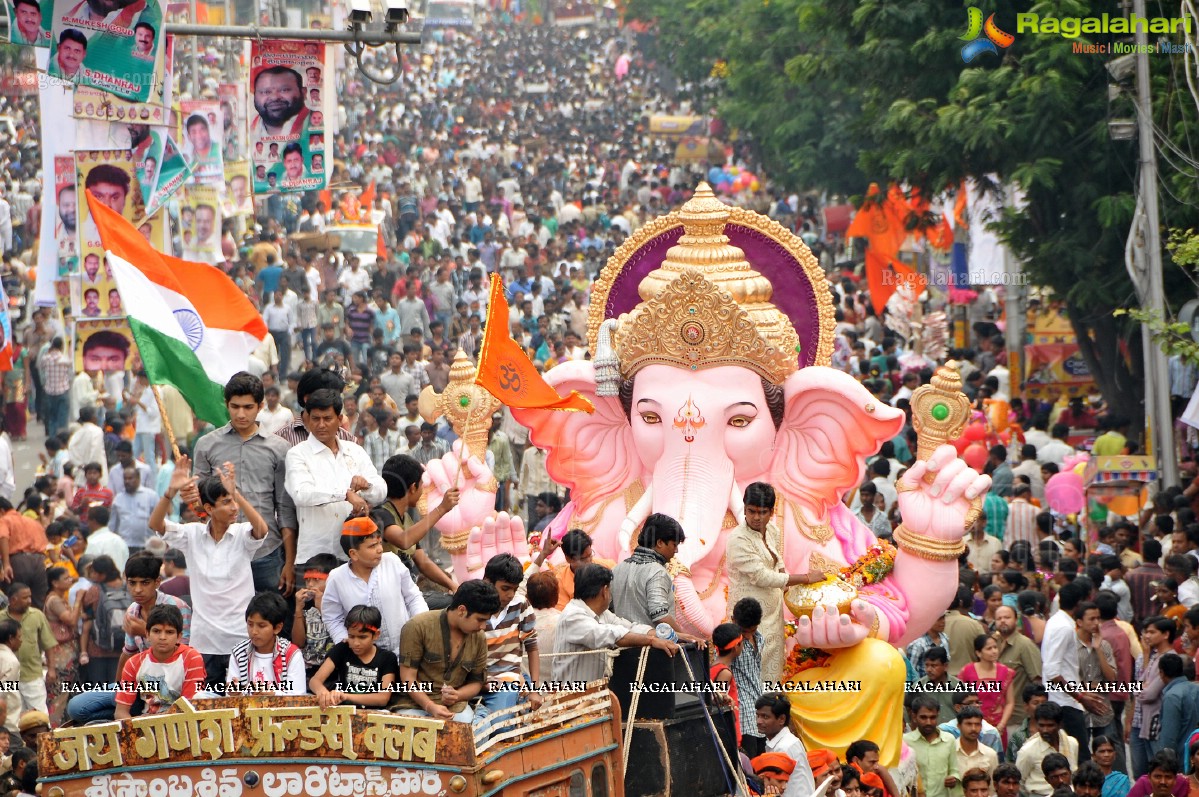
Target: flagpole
pixel 166 422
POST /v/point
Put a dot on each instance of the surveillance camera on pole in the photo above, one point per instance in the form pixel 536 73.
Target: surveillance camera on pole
pixel 360 13
pixel 397 13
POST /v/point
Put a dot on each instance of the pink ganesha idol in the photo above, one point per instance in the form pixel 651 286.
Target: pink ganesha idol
pixel 711 331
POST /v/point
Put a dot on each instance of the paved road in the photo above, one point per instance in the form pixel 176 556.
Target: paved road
pixel 24 454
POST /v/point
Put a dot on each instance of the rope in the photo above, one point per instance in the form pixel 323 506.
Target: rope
pixel 606 651
pixel 736 770
pixel 628 728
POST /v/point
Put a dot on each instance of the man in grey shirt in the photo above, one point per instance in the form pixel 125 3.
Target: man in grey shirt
pixel 642 591
pixel 260 462
pixel 586 624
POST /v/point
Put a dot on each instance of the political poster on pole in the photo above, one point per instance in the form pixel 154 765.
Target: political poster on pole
pixel 287 134
pixel 146 144
pixel 173 172
pixel 200 224
pixel 202 131
pixel 57 139
pixel 114 45
pixel 29 21
pixel 111 176
pixel 66 236
pixel 233 114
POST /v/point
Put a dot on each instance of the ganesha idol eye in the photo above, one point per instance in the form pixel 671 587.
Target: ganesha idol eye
pixel 740 421
pixel 651 418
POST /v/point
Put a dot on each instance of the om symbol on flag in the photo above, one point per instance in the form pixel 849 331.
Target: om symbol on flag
pixel 509 378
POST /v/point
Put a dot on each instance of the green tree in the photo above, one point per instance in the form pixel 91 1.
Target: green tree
pixel 839 93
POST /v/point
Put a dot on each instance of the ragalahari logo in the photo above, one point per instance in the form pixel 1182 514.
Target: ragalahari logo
pixel 983 37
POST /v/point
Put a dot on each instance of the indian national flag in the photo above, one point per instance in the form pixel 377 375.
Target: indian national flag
pixel 193 326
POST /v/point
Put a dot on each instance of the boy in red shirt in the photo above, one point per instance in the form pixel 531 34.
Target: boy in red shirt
pixel 165 672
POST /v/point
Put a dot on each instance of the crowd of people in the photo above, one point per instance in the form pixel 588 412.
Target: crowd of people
pixel 286 547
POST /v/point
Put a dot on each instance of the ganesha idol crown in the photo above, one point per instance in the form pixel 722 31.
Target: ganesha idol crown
pixel 705 306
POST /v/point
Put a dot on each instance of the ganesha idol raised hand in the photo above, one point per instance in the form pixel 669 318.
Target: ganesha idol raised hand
pixel 711 330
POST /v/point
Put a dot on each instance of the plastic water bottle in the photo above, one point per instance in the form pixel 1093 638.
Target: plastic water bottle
pixel 664 631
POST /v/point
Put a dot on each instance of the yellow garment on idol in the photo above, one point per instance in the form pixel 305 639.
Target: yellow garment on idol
pixel 835 719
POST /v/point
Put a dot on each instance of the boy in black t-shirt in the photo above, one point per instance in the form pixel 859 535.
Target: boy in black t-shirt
pixel 359 671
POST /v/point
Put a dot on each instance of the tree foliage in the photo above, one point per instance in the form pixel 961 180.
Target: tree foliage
pixel 839 93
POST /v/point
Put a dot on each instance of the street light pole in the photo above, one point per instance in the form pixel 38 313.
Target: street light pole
pixel 1157 378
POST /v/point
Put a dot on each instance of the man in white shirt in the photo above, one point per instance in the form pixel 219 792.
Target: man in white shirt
pixel 148 421
pixel 329 479
pixel 86 444
pixel 353 280
pixel 83 394
pixel 1059 660
pixel 274 416
pixel 1050 738
pixel 101 541
pixel 1057 449
pixel 8 481
pixel 370 578
pixel 1030 467
pixel 971 754
pixel 774 713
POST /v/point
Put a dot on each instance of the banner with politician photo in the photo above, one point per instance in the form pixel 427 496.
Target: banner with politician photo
pixel 233 115
pixel 111 177
pixel 114 45
pixel 237 200
pixel 200 224
pixel 201 139
pixel 29 21
pixel 291 107
pixel 66 236
pixel 146 143
pixel 173 172
pixel 106 346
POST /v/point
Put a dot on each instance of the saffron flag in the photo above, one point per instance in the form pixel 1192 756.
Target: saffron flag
pixel 366 199
pixel 884 274
pixel 506 371
pixel 193 326
pixel 380 247
pixel 880 222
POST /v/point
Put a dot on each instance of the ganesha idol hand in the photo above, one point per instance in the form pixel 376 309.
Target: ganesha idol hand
pixel 502 534
pixel 938 509
pixel 828 629
pixel 476 490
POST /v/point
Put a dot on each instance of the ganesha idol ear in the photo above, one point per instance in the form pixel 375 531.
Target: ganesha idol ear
pixel 591 453
pixel 830 426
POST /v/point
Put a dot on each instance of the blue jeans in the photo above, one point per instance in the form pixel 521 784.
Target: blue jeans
pixel 308 344
pixel 1142 751
pixel 56 409
pixel 144 446
pixel 465 715
pixel 493 702
pixel 283 346
pixel 88 707
pixel 267 571
pixel 360 350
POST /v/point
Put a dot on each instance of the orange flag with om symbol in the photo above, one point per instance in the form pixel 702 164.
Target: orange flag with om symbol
pixel 506 371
